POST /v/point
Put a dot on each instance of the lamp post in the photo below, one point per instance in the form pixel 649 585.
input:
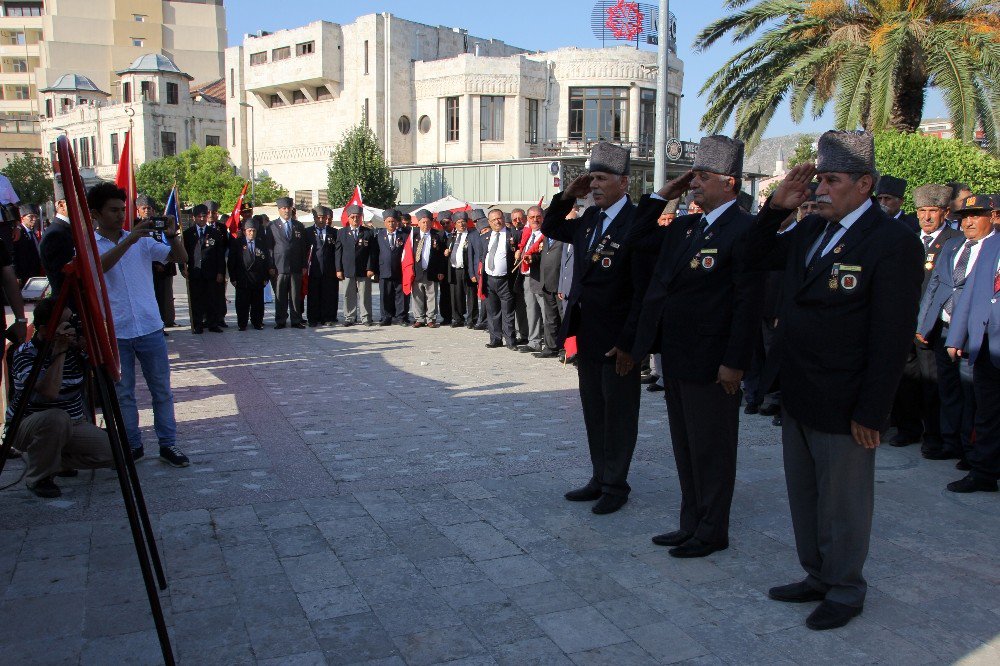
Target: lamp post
pixel 253 153
pixel 662 95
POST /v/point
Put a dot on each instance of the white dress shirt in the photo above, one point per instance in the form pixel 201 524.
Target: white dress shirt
pixel 500 267
pixel 425 256
pixel 457 258
pixel 130 286
pixel 973 255
pixel 933 235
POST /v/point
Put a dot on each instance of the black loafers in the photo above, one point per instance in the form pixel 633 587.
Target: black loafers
pixel 675 538
pixel 831 615
pixel 586 494
pixel 795 593
pixel 694 547
pixel 609 504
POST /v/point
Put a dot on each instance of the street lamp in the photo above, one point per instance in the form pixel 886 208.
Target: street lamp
pixel 253 154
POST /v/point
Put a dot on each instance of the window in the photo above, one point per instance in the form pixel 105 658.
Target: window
pixel 451 117
pixel 168 142
pixel 232 131
pixel 673 115
pixel 424 124
pixel 232 82
pixel 114 148
pixel 364 112
pixel 22 9
pixel 139 18
pixel 212 140
pixel 146 91
pixel 258 58
pixel 84 154
pixel 19 92
pixel 48 108
pixel 173 93
pixel 19 65
pixel 366 56
pixel 93 148
pixel 284 53
pixel 531 127
pixel 598 113
pixel 490 118
pixel 647 117
pixel 275 100
pixel 404 125
pixel 137 41
pixel 127 92
pixel 322 92
pixel 299 97
pixel 305 48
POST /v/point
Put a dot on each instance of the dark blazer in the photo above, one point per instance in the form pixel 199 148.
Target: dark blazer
pixel 213 252
pixel 933 253
pixel 357 252
pixel 27 259
pixel 468 270
pixel 248 271
pixel 845 328
pixel 545 268
pixel 437 263
pixel 289 254
pixel 941 286
pixel 909 220
pixel 513 237
pixel 603 305
pixel 322 260
pixel 475 252
pixel 703 305
pixel 56 250
pixel 977 312
pixel 390 254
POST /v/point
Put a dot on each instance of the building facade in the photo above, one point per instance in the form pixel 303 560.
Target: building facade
pixel 455 114
pixel 166 116
pixel 40 42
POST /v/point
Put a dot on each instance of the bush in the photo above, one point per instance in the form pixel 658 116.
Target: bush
pixel 924 159
pixel 31 177
pixel 357 160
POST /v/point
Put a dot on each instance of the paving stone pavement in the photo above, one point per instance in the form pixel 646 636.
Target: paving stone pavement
pixel 394 496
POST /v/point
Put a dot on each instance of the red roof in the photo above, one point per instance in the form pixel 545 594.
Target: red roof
pixel 214 91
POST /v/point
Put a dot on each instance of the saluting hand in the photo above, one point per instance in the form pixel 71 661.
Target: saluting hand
pixel 677 187
pixel 579 188
pixel 866 437
pixel 794 189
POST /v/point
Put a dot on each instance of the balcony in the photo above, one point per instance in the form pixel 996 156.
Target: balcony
pixel 641 150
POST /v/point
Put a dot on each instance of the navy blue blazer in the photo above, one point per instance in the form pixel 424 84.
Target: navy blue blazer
pixel 357 252
pixel 390 254
pixel 977 312
pixel 941 286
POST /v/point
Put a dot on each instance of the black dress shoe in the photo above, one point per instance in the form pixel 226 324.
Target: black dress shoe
pixel 223 324
pixel 348 323
pixel 831 614
pixel 546 353
pixel 903 440
pixel 68 474
pixel 972 483
pixel 769 410
pixel 512 347
pixel 939 454
pixel 525 349
pixel 521 341
pixel 695 547
pixel 259 327
pixel 588 493
pixel 751 408
pixel 795 593
pixel 214 329
pixel 470 326
pixel 675 538
pixel 481 327
pixel 197 331
pixel 457 324
pixel 45 488
pixel 776 421
pixel 313 324
pixel 279 326
pixel 649 379
pixel 299 325
pixel 963 466
pixel 242 328
pixel 494 344
pixel 655 388
pixel 609 504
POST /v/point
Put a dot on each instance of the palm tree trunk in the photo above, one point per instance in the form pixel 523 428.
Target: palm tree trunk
pixel 908 105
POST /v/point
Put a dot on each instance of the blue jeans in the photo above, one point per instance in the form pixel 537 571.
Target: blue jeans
pixel 151 350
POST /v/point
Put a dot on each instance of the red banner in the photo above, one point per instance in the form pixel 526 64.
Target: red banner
pixel 125 179
pixel 355 201
pixel 234 220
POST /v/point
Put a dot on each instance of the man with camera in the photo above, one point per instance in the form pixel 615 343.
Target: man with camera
pixel 125 258
pixel 54 435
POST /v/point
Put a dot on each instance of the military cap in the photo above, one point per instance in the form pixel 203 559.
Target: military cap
pixel 422 213
pixel 355 209
pixel 212 206
pixel 720 154
pixel 28 209
pixel 393 213
pixel 846 152
pixel 407 217
pixel 253 223
pixel 461 216
pixel 317 212
pixel 895 187
pixel 932 195
pixel 144 200
pixel 506 218
pixel 482 224
pixel 477 214
pixel 200 209
pixel 609 158
pixel 284 202
pixel 979 203
pixel 444 215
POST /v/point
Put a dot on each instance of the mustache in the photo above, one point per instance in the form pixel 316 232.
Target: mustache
pixel 824 199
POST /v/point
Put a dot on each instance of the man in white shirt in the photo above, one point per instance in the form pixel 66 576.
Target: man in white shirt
pixel 498 263
pixel 126 259
pixel 428 270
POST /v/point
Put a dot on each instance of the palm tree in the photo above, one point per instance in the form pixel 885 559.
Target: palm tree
pixel 874 58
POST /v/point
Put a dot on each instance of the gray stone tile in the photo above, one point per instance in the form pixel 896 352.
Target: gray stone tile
pixel 545 597
pixel 448 644
pixel 515 571
pixel 37 618
pixel 580 629
pixel 447 571
pixel 303 659
pixel 628 612
pixel 417 614
pixel 332 602
pixel 499 623
pixel 44 652
pixel 280 637
pixel 470 594
pixel 300 540
pixel 201 592
pixel 55 575
pixel 315 571
pixel 353 639
pixel 619 653
pixel 666 642
pixel 128 648
pixel 480 541
pixel 531 652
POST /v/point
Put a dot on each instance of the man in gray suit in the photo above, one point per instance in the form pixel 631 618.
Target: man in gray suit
pixel 288 246
pixel 529 269
pixel 566 269
pixel 543 287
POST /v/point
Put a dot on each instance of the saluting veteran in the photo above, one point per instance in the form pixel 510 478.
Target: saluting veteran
pixel 851 290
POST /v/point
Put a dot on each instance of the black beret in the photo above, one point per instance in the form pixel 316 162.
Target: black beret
pixel 200 209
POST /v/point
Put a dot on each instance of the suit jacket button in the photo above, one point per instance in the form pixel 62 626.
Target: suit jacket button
pixel 993 300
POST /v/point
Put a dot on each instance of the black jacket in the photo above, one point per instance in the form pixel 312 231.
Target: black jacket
pixel 437 263
pixel 288 252
pixel 467 271
pixel 543 274
pixel 322 260
pixel 27 259
pixel 703 305
pixel 604 301
pixel 248 271
pixel 933 253
pixel 56 250
pixel 213 252
pixel 357 252
pixel 844 328
pixel 390 254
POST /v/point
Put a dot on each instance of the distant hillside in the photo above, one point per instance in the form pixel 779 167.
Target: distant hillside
pixel 763 158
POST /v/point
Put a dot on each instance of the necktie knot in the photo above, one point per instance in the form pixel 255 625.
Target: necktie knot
pixel 971 243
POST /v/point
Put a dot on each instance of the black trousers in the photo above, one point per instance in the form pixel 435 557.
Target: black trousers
pixel 461 292
pixel 984 457
pixel 323 298
pixel 551 320
pixel 219 302
pixel 391 298
pixel 704 428
pixel 249 306
pixel 611 415
pixel 203 306
pixel 520 307
pixel 444 301
pixel 500 309
pixel 958 400
pixel 916 411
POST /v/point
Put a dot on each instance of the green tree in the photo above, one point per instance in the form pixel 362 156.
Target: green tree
pixel 267 190
pixel 924 159
pixel 31 176
pixel 875 58
pixel 804 151
pixel 357 160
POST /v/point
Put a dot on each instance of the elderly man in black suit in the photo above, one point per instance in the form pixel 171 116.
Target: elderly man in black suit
pixel 702 313
pixel 206 253
pixel 219 304
pixel 479 234
pixel 499 257
pixel 250 267
pixel 460 286
pixel 27 259
pixel 324 292
pixel 357 261
pixel 916 412
pixel 851 294
pixel 391 241
pixel 889 193
pixel 429 265
pixel 602 308
pixel 286 238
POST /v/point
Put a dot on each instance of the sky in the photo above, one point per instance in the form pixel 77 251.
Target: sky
pixel 531 25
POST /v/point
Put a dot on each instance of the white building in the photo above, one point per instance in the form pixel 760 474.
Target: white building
pixel 167 117
pixel 455 114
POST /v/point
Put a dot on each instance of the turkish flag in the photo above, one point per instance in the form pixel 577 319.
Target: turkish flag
pixel 234 220
pixel 570 346
pixel 526 254
pixel 125 179
pixel 408 273
pixel 355 201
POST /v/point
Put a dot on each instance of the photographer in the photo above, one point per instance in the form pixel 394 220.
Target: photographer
pixel 54 435
pixel 125 259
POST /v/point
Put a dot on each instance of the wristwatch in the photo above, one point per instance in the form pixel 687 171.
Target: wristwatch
pixel 20 320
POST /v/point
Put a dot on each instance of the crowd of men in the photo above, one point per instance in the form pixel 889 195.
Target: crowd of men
pixel 830 309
